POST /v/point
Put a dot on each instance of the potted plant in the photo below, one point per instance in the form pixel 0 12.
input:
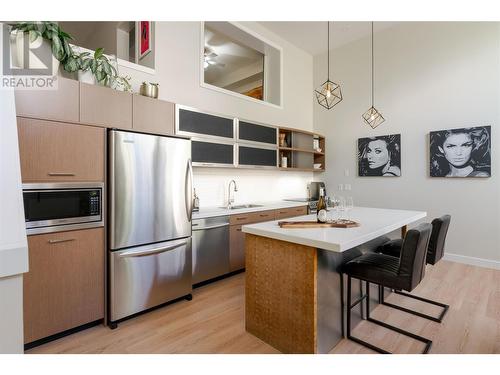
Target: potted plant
pixel 121 83
pixel 44 34
pixel 92 68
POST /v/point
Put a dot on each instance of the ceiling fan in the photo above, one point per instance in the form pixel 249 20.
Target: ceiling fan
pixel 209 58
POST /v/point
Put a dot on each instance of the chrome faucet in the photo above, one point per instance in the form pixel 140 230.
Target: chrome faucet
pixel 229 199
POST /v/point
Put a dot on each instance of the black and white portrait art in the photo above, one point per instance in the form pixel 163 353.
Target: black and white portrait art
pixel 380 156
pixel 464 152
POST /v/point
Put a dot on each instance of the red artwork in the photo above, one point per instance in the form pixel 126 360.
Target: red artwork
pixel 145 38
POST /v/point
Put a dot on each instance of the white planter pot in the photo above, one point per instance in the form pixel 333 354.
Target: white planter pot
pixel 17 52
pixel 87 77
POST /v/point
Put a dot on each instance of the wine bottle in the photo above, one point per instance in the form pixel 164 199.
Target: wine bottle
pixel 321 207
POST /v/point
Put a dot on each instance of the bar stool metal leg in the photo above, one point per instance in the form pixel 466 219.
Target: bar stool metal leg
pixel 350 307
pixel 342 305
pixel 438 319
pixel 428 343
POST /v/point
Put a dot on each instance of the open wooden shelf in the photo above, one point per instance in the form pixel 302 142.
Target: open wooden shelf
pixel 302 169
pixel 299 150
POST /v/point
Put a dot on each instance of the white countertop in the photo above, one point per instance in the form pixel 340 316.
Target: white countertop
pixel 374 222
pixel 217 211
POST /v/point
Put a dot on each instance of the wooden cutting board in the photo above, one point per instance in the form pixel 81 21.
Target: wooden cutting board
pixel 315 224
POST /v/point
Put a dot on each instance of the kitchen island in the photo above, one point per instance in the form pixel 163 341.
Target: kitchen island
pixel 293 298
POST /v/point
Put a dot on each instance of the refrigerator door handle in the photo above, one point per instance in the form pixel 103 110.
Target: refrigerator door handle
pixel 189 189
pixel 141 253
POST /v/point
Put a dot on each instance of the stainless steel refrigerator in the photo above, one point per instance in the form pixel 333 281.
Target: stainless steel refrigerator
pixel 150 208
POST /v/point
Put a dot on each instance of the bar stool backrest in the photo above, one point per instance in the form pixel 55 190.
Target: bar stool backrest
pixel 438 237
pixel 413 254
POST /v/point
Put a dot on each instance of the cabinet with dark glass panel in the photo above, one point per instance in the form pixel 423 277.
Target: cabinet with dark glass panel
pixel 213 136
pixel 257 145
pixel 219 140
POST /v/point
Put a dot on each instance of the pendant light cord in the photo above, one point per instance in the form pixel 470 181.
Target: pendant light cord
pixel 372 65
pixel 328 48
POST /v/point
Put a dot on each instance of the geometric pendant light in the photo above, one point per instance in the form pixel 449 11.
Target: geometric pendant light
pixel 328 94
pixel 373 117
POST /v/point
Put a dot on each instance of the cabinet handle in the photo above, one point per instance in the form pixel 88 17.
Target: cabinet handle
pixel 61 174
pixel 62 240
pixel 240 218
pixel 264 215
pixel 238 230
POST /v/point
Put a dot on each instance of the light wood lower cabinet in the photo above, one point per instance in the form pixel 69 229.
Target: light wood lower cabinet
pixel 64 287
pixel 237 237
pixel 284 213
pixel 252 217
pixel 56 151
pixel 236 248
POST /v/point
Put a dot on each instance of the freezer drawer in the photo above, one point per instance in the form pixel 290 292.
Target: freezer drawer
pixel 146 276
pixel 210 248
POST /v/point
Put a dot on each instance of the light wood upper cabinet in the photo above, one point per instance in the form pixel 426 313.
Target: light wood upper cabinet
pixel 105 107
pixel 64 287
pixel 61 104
pixel 55 151
pixel 153 115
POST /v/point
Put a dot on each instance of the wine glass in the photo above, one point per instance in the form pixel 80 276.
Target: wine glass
pixel 334 200
pixel 349 205
pixel 341 208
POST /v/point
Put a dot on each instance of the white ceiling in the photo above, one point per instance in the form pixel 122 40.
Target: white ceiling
pixel 311 36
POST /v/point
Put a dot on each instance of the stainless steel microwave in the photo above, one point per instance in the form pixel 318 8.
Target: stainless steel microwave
pixel 55 207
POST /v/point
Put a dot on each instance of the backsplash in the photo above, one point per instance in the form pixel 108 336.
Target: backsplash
pixel 211 185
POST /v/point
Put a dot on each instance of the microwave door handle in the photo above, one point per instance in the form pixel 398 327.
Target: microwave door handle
pixel 158 250
pixel 189 190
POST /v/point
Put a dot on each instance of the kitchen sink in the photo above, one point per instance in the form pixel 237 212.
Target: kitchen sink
pixel 238 206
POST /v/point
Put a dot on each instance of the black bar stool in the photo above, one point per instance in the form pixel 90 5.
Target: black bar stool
pixel 403 273
pixel 435 252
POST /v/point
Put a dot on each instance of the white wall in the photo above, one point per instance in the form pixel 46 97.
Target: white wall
pixel 13 243
pixel 429 76
pixel 178 72
pixel 253 186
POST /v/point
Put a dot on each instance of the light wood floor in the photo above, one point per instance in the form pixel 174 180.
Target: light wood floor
pixel 213 322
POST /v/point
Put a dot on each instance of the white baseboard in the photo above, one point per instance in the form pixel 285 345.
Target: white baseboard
pixel 480 262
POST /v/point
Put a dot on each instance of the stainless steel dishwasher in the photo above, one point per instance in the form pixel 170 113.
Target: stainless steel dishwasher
pixel 210 248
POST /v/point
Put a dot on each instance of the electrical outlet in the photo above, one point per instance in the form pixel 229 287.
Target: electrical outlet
pixel 340 187
pixel 347 186
pixel 346 172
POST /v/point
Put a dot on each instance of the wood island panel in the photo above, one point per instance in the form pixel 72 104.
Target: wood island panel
pixel 280 294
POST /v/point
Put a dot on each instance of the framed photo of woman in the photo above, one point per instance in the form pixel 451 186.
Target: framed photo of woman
pixel 380 156
pixel 464 152
pixel 144 38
